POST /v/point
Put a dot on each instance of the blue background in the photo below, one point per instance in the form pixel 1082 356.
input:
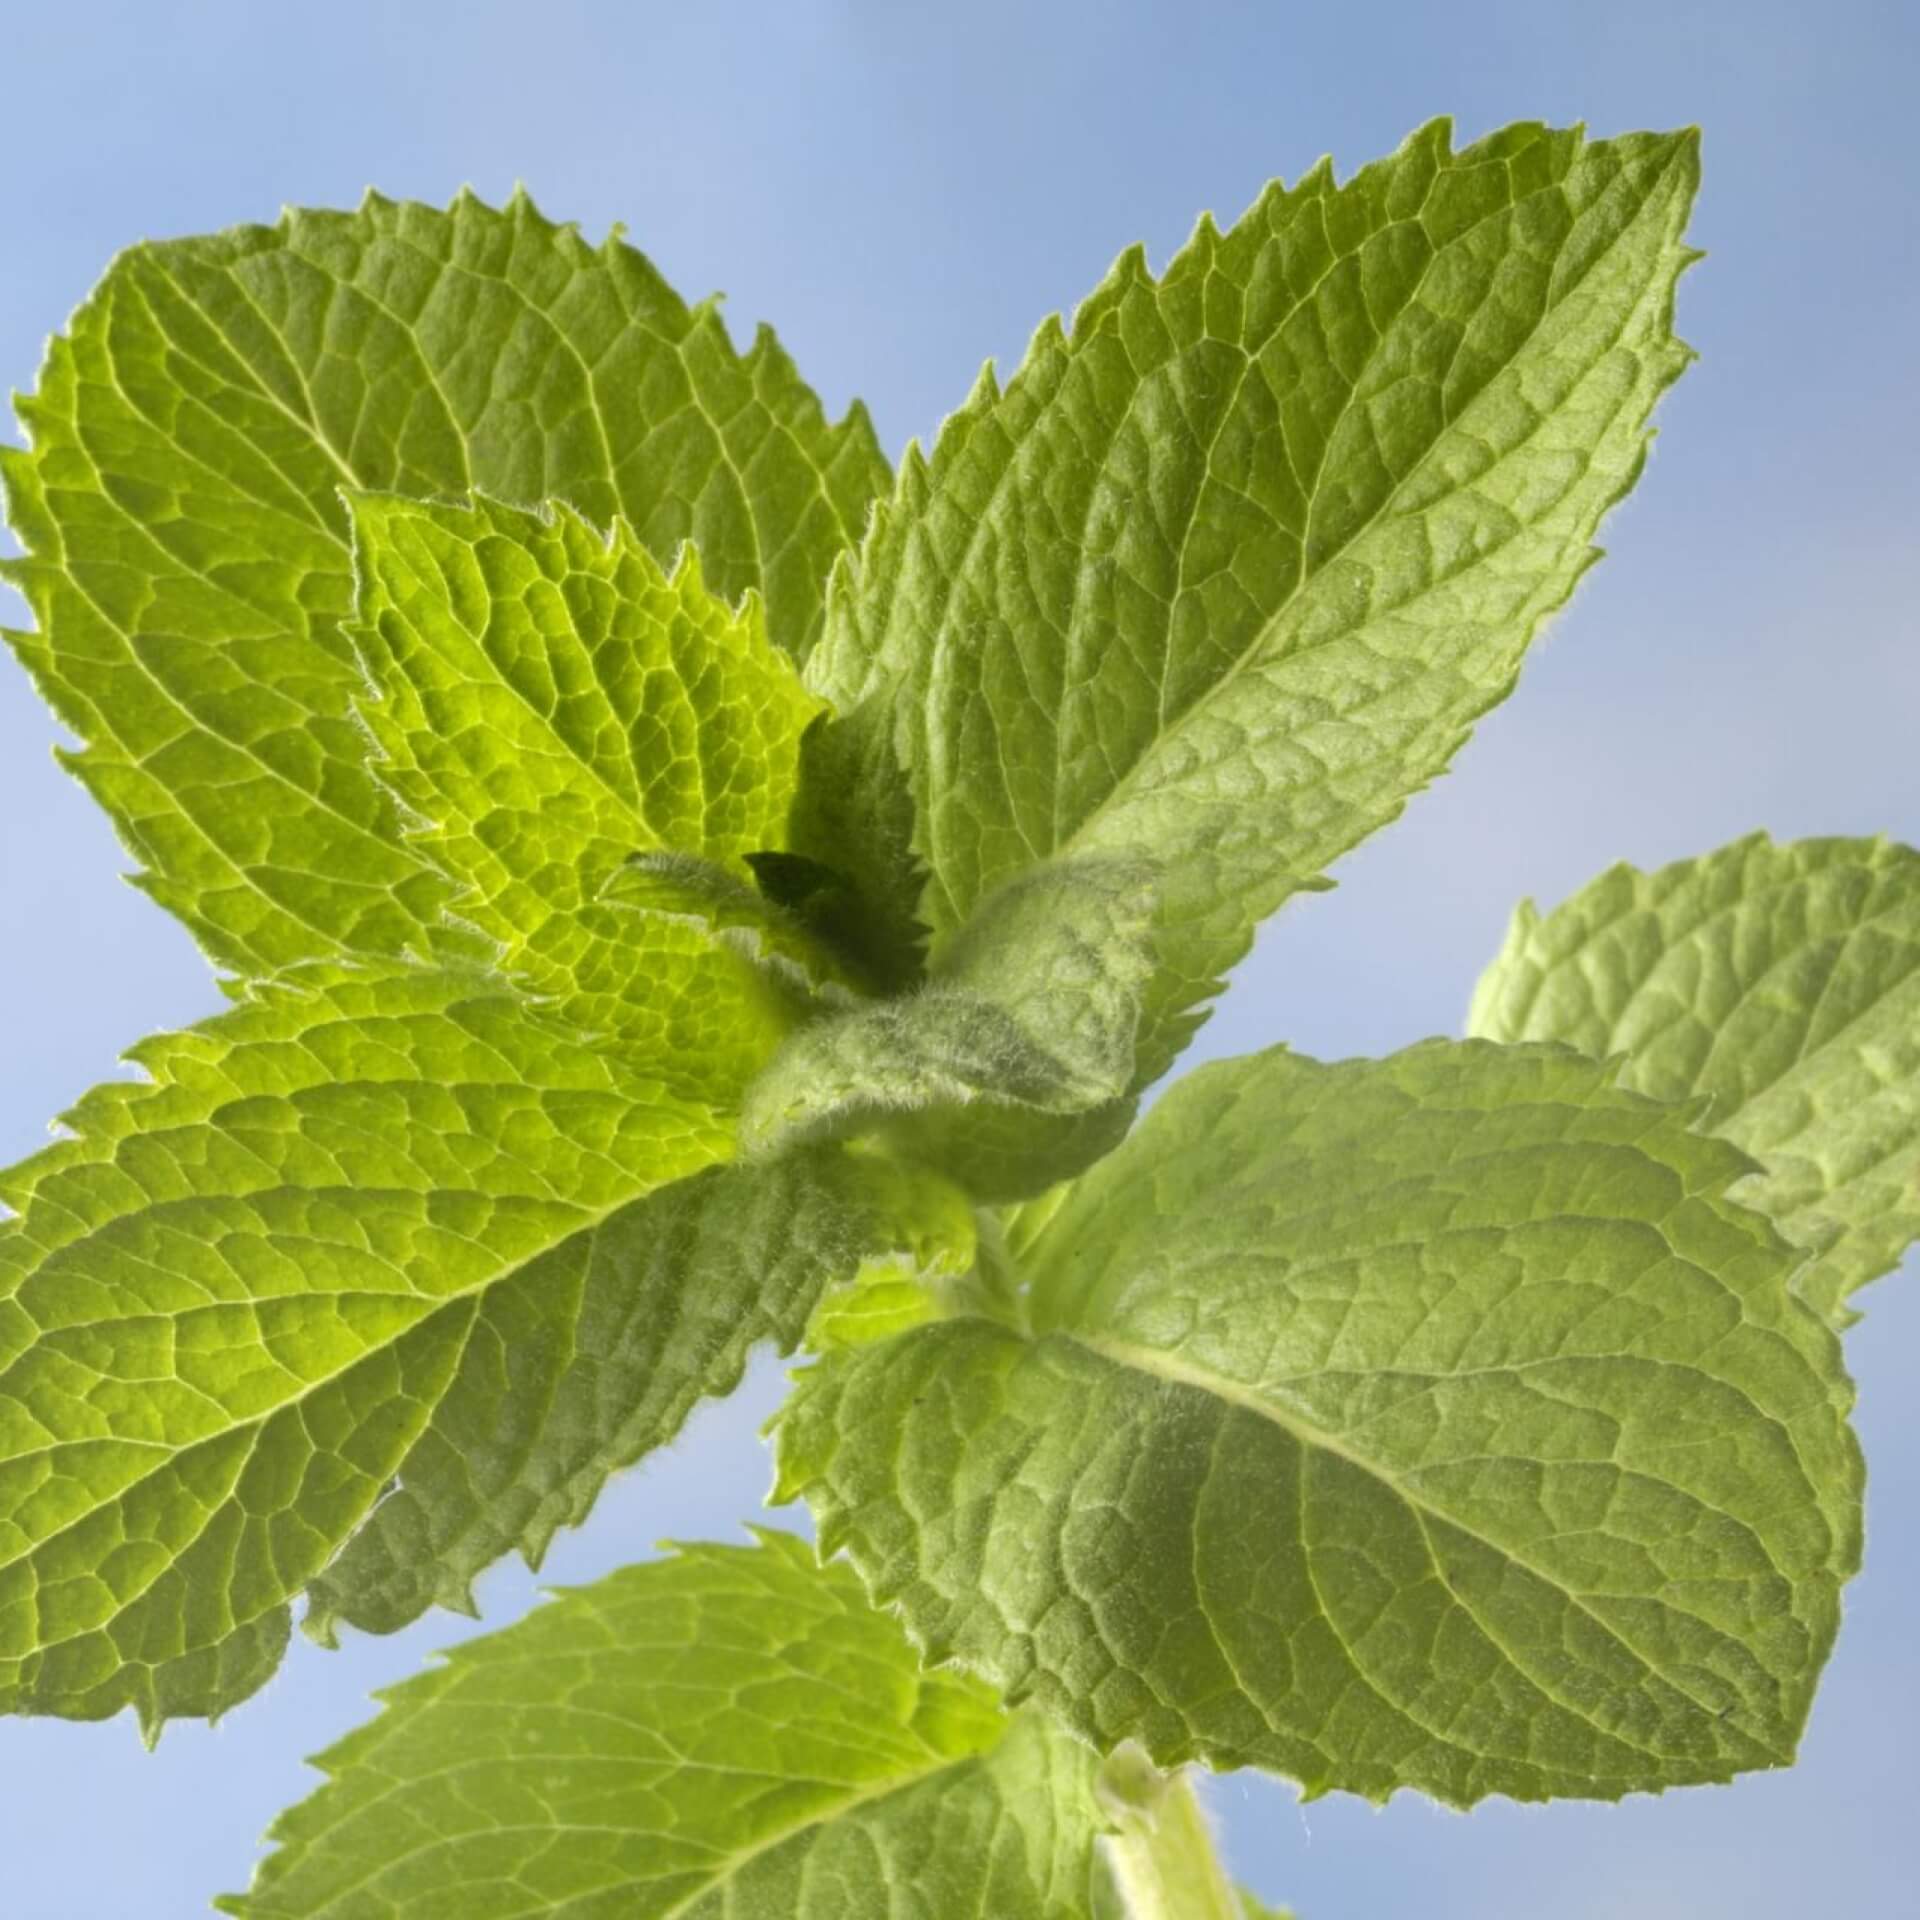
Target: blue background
pixel 904 190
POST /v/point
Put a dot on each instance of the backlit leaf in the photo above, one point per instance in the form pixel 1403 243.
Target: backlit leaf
pixel 187 545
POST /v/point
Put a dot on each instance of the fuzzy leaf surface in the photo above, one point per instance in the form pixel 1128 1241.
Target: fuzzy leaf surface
pixel 375 1227
pixel 1433 1422
pixel 1025 1025
pixel 1223 577
pixel 187 546
pixel 1784 983
pixel 726 1734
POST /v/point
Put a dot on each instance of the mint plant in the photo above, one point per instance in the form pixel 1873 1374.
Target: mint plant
pixel 684 888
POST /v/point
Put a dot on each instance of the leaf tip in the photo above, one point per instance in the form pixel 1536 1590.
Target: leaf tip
pixel 1318 179
pixel 320 1625
pixel 457 1596
pixel 1049 338
pixel 1436 136
pixel 985 391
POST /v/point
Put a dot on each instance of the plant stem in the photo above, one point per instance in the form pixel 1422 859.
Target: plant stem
pixel 1162 1851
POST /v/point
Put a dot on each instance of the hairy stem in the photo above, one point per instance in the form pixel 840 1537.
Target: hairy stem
pixel 1162 1850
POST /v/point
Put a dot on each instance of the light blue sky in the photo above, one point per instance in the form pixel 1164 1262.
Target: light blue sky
pixel 903 190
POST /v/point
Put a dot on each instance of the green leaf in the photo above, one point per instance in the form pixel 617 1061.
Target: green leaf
pixel 1224 577
pixel 374 1226
pixel 1784 984
pixel 729 1731
pixel 575 1368
pixel 1256 1909
pixel 187 544
pixel 548 702
pixel 945 1258
pixel 734 914
pixel 1433 1422
pixel 1020 1045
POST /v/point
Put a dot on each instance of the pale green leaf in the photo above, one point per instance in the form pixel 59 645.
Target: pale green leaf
pixel 187 544
pixel 1784 983
pixel 1433 1422
pixel 374 1226
pixel 1225 576
pixel 727 1734
pixel 547 702
pixel 1019 1045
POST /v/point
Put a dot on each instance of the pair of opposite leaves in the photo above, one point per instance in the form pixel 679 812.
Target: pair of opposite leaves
pixel 452 1204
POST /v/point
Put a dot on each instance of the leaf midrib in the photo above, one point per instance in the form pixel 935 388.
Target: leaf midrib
pixel 590 1222
pixel 1171 1369
pixel 716 1876
pixel 1257 646
pixel 741 1858
pixel 1117 793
